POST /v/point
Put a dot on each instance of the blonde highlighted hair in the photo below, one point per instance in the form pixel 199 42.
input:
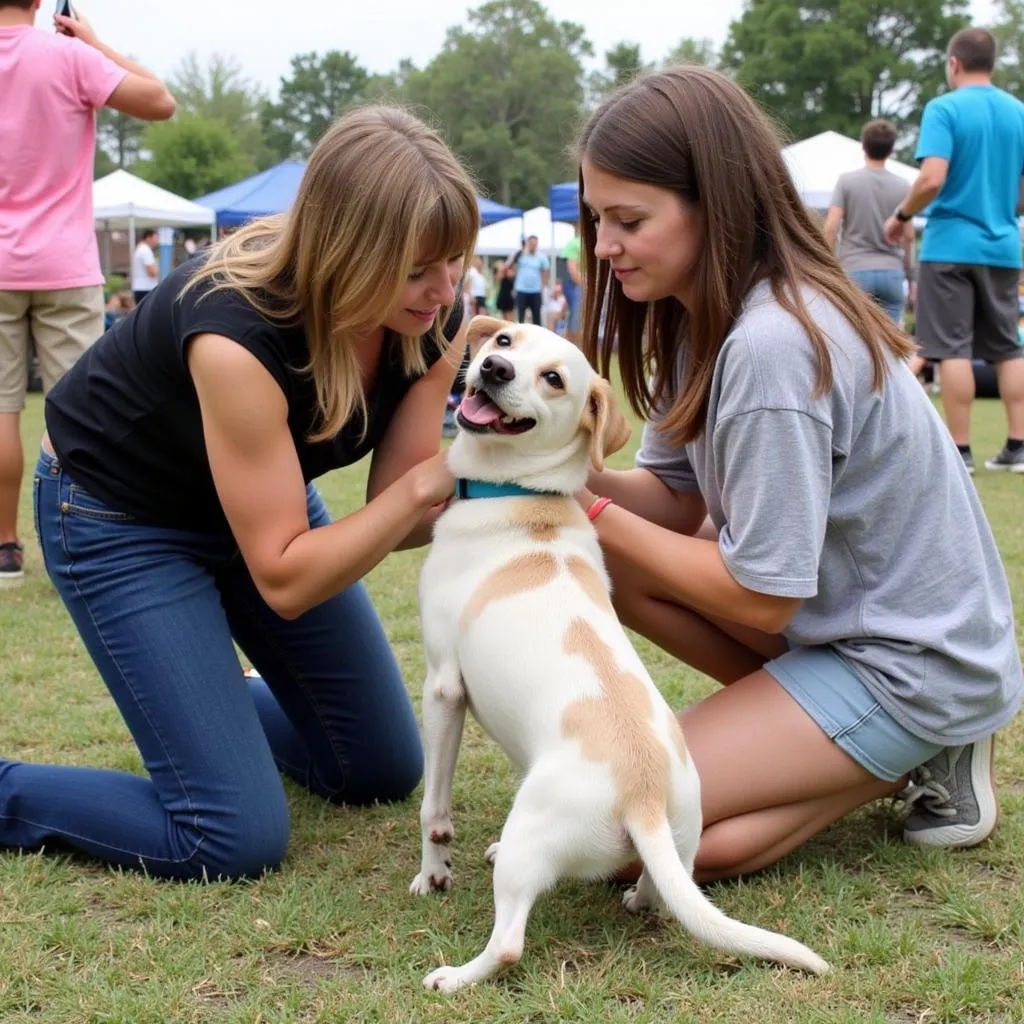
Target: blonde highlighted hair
pixel 696 133
pixel 381 195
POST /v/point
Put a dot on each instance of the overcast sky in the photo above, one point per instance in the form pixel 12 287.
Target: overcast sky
pixel 264 34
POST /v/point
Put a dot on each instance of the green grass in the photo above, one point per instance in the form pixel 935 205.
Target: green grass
pixel 914 935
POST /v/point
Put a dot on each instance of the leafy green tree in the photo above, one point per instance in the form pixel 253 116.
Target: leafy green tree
pixel 311 98
pixel 1009 32
pixel 690 50
pixel 391 87
pixel 834 64
pixel 118 138
pixel 193 155
pixel 220 91
pixel 622 63
pixel 508 90
pixel 102 165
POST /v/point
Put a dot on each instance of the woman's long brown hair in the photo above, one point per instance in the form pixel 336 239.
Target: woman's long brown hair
pixel 695 132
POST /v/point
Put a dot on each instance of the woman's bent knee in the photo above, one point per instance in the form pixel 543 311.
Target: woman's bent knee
pixel 383 780
pixel 245 844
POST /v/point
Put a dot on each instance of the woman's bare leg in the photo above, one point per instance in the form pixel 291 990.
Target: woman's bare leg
pixel 725 651
pixel 770 777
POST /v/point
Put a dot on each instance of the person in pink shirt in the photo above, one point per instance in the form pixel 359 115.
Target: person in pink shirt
pixel 51 285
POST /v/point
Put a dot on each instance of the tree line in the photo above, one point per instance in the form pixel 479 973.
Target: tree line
pixel 510 87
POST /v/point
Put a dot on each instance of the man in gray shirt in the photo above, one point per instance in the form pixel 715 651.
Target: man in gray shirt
pixel 861 203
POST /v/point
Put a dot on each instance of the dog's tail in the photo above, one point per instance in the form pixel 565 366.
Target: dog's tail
pixel 700 916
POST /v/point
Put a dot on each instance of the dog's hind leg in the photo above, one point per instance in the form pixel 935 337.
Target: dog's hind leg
pixel 642 896
pixel 528 862
pixel 444 714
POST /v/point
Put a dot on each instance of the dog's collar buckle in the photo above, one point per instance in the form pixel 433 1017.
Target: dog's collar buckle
pixel 484 489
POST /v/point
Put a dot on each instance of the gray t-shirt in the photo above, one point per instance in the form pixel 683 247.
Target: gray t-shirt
pixel 868 198
pixel 859 503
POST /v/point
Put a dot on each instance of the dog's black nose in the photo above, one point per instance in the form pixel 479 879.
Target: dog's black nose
pixel 497 369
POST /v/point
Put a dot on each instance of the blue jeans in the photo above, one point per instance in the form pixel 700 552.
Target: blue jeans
pixel 885 287
pixel 846 710
pixel 157 609
pixel 573 296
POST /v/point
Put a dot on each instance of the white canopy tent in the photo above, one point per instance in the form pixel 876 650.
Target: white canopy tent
pixel 121 200
pixel 505 237
pixel 816 163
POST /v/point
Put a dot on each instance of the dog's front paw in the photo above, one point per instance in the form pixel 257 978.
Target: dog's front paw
pixel 431 881
pixel 444 979
pixel 492 853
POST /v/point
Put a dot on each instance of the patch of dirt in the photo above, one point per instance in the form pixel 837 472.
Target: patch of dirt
pixel 310 969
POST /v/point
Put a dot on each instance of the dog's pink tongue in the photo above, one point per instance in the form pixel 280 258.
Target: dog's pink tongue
pixel 479 409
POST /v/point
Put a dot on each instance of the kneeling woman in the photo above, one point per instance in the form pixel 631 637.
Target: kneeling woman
pixel 799 525
pixel 176 511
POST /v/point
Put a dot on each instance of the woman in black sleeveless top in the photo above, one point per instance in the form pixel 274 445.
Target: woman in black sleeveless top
pixel 177 515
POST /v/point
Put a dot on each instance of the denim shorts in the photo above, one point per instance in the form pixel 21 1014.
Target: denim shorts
pixel 833 695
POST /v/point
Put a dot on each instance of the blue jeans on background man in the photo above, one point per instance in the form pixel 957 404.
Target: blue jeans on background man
pixel 571 290
pixel 886 288
pixel 157 609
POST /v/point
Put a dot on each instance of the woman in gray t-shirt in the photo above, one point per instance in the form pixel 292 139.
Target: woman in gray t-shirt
pixel 799 525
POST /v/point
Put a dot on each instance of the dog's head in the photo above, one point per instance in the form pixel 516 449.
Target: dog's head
pixel 534 412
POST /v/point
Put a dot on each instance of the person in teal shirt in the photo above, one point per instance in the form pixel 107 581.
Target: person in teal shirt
pixel 971 150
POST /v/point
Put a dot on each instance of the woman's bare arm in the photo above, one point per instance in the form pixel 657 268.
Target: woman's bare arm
pixel 259 481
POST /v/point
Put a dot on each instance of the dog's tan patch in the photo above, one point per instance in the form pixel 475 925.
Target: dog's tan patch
pixel 545 518
pixel 483 327
pixel 603 419
pixel 675 730
pixel 527 572
pixel 616 728
pixel 590 581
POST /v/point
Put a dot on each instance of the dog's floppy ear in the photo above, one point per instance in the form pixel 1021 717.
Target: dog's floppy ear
pixel 480 329
pixel 609 429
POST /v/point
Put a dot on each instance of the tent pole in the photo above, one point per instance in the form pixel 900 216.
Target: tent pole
pixel 131 246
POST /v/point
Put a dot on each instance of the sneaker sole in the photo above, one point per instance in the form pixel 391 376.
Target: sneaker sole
pixel 998 467
pixel 961 836
pixel 11 579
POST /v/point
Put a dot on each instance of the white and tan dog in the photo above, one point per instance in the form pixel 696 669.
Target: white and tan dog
pixel 518 626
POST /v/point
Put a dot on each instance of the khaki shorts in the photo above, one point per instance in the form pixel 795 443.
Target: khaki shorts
pixel 62 323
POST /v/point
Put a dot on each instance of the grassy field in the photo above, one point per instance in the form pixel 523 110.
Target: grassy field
pixel 915 936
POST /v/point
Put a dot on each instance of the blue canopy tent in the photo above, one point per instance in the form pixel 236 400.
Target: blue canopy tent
pixel 564 202
pixel 272 191
pixel 491 212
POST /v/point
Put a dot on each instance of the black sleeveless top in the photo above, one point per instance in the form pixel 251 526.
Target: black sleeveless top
pixel 125 420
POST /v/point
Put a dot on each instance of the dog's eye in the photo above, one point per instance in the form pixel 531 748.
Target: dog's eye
pixel 503 341
pixel 554 380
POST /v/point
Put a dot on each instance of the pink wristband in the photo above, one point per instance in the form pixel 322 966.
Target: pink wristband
pixel 597 506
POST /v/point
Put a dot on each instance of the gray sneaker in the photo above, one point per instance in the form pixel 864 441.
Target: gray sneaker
pixel 952 797
pixel 1007 461
pixel 968 458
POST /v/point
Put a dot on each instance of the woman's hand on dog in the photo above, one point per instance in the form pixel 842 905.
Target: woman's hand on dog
pixel 432 481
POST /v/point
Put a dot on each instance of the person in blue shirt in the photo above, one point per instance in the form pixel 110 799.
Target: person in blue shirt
pixel 971 151
pixel 531 280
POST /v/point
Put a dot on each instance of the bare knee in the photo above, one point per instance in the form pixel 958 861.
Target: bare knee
pixel 731 848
